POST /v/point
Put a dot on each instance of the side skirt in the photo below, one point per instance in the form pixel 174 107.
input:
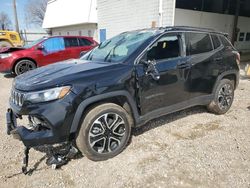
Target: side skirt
pixel 202 100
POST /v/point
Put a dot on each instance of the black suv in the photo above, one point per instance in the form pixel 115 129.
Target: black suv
pixel 93 102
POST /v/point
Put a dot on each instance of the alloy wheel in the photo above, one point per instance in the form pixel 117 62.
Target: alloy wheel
pixel 107 133
pixel 225 96
pixel 25 66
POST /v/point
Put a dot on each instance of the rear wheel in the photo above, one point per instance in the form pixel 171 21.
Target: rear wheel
pixel 105 132
pixel 24 66
pixel 223 99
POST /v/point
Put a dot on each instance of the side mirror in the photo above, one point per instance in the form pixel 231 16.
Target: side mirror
pixel 150 69
pixel 40 47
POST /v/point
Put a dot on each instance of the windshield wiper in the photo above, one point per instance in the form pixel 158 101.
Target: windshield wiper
pixel 107 57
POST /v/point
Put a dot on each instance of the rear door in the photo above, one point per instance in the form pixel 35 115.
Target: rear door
pixel 205 59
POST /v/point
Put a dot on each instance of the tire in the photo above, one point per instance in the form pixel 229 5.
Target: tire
pixel 5 44
pixel 23 66
pixel 100 140
pixel 223 99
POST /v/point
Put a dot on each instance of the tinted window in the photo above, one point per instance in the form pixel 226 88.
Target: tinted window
pixel 248 37
pixel 165 47
pixel 225 41
pixel 70 42
pixel 216 41
pixel 84 42
pixel 197 43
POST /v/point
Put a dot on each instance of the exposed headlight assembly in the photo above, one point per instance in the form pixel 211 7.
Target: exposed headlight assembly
pixel 2 56
pixel 47 95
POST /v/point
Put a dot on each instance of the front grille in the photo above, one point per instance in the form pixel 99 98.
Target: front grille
pixel 17 98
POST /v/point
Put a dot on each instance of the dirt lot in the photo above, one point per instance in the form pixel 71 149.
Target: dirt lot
pixel 191 148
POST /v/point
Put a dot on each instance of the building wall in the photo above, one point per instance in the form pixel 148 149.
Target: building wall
pixel 220 22
pixel 60 13
pixel 77 30
pixel 117 16
pixel 244 26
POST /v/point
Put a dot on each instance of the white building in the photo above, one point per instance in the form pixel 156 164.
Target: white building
pixel 105 18
pixel 71 17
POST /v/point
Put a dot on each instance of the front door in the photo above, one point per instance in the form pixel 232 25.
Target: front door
pixel 169 88
pixel 53 51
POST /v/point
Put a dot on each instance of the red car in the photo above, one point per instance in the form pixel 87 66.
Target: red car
pixel 43 52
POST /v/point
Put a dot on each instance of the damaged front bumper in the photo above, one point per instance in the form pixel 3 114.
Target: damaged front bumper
pixel 29 137
pixel 48 129
pixel 56 156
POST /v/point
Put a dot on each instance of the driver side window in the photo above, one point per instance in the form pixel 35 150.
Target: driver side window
pixel 54 44
pixel 166 47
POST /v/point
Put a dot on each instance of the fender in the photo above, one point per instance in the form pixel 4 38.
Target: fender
pixel 82 106
pixel 219 78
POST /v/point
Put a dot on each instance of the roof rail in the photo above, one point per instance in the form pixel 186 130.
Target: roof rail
pixel 191 27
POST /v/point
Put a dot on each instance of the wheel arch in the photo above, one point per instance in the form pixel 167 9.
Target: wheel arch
pixel 120 98
pixel 231 75
pixel 20 59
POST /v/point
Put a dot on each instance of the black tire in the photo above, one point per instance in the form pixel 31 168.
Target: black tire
pixel 97 125
pixel 223 99
pixel 23 66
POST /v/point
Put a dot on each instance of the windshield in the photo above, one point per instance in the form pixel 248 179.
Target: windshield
pixel 34 43
pixel 119 47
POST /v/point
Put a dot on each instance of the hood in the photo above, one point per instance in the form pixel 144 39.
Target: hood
pixel 10 49
pixel 59 74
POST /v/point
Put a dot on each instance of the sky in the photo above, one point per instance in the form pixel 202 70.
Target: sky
pixel 7 7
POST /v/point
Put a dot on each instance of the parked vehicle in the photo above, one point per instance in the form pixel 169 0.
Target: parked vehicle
pixel 10 39
pixel 43 52
pixel 92 103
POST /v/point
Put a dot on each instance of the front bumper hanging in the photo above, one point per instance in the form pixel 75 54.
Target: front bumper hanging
pixel 32 138
pixel 29 137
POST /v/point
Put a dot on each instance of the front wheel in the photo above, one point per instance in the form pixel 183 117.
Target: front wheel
pixel 24 66
pixel 223 98
pixel 105 132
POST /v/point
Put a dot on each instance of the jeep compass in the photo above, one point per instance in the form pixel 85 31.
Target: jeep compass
pixel 92 103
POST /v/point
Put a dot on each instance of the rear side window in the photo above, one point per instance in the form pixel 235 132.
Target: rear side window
pixel 197 43
pixel 225 41
pixel 216 41
pixel 84 42
pixel 70 42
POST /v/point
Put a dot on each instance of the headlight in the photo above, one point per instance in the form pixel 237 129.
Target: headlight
pixel 47 95
pixel 2 56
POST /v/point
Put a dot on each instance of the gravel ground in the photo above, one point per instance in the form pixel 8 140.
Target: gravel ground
pixel 191 148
